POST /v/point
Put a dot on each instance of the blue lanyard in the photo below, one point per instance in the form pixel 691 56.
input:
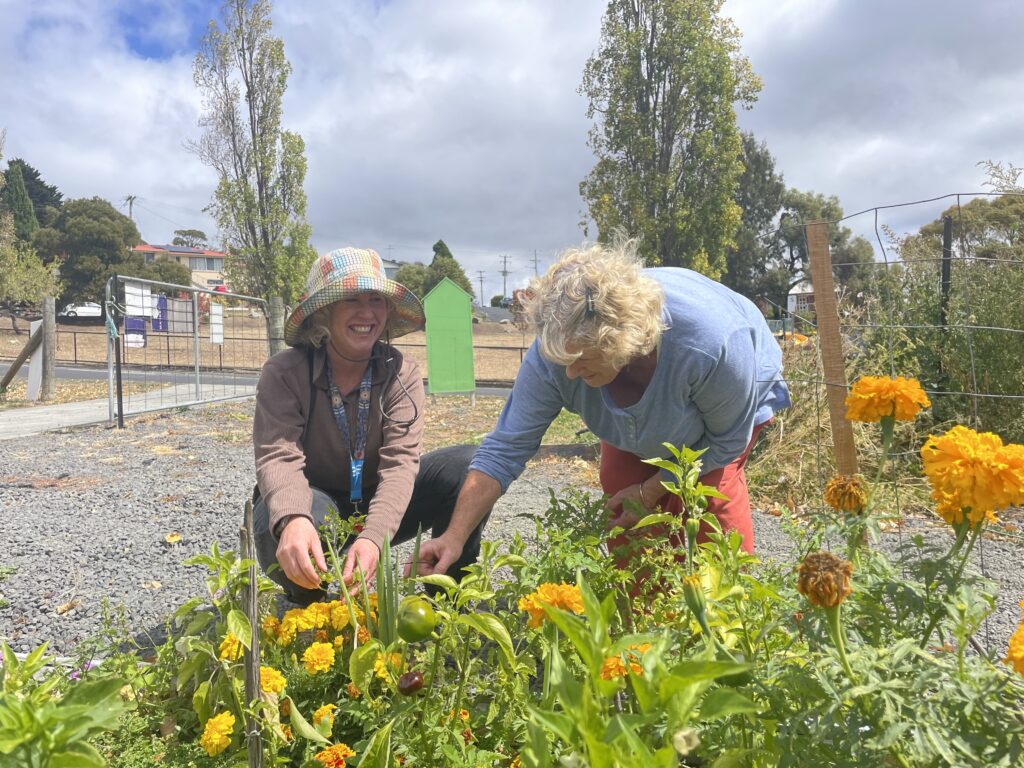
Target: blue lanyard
pixel 357 450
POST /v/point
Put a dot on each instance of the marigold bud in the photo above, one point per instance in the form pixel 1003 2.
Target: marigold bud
pixel 824 579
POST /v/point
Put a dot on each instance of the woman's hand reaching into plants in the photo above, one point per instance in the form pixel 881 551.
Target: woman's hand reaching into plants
pixel 363 554
pixel 300 554
pixel 639 494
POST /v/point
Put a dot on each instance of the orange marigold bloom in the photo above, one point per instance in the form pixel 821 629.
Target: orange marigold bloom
pixel 319 657
pixel 1015 652
pixel 230 648
pixel 353 691
pixel 271 681
pixel 845 493
pixel 972 474
pixel 873 398
pixel 363 635
pixel 613 667
pixel 824 579
pixel 334 756
pixel 564 596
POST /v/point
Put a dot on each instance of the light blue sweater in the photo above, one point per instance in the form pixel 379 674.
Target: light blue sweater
pixel 719 374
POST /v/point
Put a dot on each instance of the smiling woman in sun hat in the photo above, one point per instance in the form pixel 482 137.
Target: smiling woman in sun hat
pixel 338 425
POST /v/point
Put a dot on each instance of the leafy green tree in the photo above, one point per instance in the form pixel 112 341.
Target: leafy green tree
pixel 663 82
pixel 20 206
pixel 496 300
pixel 190 238
pixel 259 203
pixel 759 196
pixel 91 240
pixel 852 257
pixel 413 277
pixel 161 270
pixel 46 198
pixel 24 279
pixel 444 265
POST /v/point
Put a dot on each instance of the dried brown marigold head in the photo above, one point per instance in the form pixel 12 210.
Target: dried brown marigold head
pixel 824 579
pixel 845 493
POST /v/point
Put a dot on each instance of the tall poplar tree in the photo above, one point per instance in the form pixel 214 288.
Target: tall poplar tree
pixel 259 203
pixel 20 206
pixel 662 86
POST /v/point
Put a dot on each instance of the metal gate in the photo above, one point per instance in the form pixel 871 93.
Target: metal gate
pixel 170 346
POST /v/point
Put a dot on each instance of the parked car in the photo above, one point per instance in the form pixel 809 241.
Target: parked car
pixel 85 309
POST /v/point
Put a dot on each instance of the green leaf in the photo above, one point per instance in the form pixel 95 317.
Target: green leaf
pixel 576 631
pixel 239 626
pixel 360 663
pixel 201 701
pixel 490 626
pixel 557 723
pixel 655 519
pixel 723 702
pixel 302 726
pixel 81 755
pixel 377 753
pixel 446 583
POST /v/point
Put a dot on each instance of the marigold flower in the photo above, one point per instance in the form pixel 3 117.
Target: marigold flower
pixel 383 667
pixel 613 667
pixel 824 579
pixel 353 691
pixel 230 648
pixel 271 625
pixel 217 733
pixel 271 681
pixel 564 596
pixel 334 756
pixel 972 474
pixel 363 635
pixel 845 493
pixel 1015 651
pixel 873 398
pixel 326 712
pixel 318 615
pixel 339 614
pixel 319 657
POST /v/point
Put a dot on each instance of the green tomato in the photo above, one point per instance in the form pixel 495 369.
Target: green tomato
pixel 416 619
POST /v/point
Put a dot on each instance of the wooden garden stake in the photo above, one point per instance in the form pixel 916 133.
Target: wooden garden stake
pixel 250 593
pixel 831 345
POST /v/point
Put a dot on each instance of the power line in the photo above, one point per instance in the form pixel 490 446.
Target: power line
pixel 504 276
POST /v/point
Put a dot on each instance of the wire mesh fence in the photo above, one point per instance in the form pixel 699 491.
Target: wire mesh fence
pixel 184 345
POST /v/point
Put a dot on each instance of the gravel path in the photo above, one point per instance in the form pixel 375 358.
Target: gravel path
pixel 84 515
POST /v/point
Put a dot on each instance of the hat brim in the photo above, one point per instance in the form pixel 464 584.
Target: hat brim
pixel 406 314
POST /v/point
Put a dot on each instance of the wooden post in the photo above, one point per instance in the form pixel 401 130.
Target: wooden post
pixel 276 324
pixel 26 352
pixel 831 344
pixel 49 388
pixel 250 594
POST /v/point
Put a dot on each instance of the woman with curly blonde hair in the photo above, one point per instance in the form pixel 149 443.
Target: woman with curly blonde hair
pixel 645 357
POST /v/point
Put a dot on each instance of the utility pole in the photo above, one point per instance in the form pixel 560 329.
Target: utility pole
pixel 504 276
pixel 535 262
pixel 130 199
pixel 480 272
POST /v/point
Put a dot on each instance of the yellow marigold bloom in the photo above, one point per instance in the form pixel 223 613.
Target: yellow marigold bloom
pixel 230 648
pixel 294 621
pixel 972 474
pixel 319 657
pixel 612 668
pixel 287 733
pixel 824 579
pixel 334 756
pixel 339 614
pixel 516 762
pixel 363 635
pixel 564 596
pixel 1015 652
pixel 318 615
pixel 326 712
pixel 640 648
pixel 845 493
pixel 383 667
pixel 217 733
pixel 271 626
pixel 271 681
pixel 873 398
pixel 353 691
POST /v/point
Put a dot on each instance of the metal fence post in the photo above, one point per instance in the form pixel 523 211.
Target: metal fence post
pixel 195 342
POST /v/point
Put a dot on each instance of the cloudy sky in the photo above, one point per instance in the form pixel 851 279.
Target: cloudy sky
pixel 460 119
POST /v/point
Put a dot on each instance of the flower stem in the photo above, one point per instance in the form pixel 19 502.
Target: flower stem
pixel 975 531
pixel 835 631
pixel 888 428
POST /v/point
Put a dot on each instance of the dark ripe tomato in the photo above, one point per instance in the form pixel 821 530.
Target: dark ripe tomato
pixel 409 683
pixel 416 619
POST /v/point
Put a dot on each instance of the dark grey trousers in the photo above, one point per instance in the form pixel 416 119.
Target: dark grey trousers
pixel 441 475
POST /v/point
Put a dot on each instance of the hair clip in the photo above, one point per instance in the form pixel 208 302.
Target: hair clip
pixel 591 310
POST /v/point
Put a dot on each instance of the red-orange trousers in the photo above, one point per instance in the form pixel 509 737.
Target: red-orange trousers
pixel 620 469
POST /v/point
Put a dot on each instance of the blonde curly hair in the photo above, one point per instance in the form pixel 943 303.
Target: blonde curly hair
pixel 624 321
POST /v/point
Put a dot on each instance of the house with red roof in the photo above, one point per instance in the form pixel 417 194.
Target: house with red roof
pixel 206 266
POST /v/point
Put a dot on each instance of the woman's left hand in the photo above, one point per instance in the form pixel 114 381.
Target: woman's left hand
pixel 363 554
pixel 620 516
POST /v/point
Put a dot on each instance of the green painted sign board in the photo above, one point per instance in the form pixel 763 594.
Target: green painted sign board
pixel 449 339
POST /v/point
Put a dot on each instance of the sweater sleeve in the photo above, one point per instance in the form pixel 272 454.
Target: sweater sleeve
pixel 277 442
pixel 399 458
pixel 727 399
pixel 531 407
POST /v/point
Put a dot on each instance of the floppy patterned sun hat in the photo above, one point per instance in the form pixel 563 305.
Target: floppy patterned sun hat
pixel 343 273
